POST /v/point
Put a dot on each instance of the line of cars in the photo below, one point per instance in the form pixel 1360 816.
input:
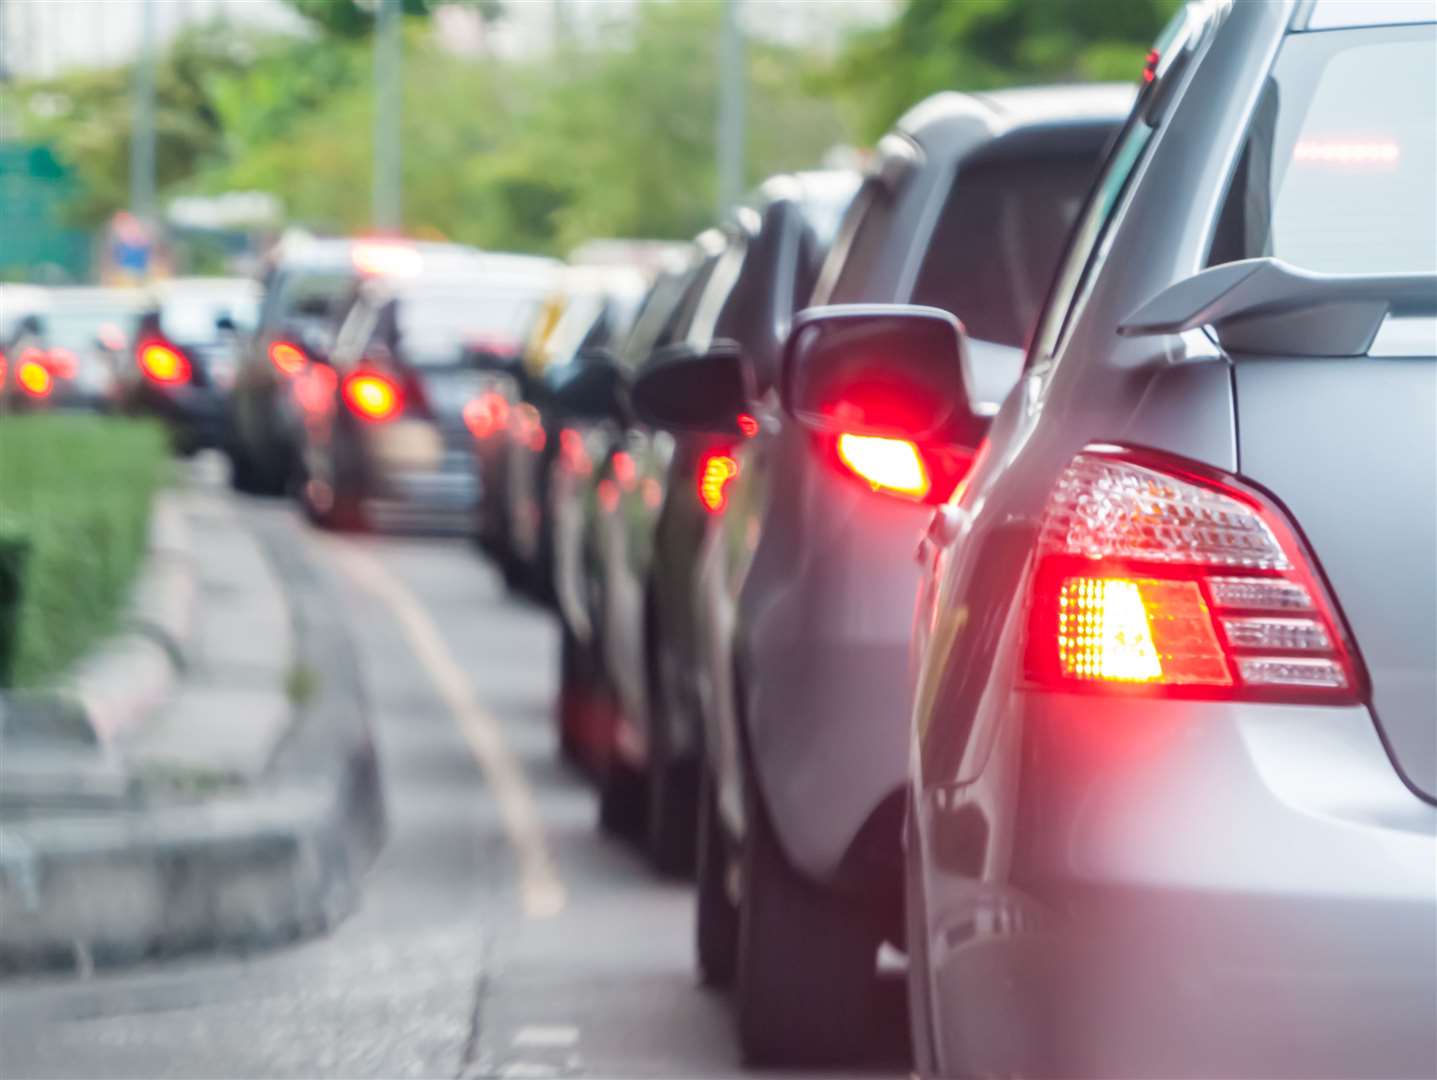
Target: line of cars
pixel 1024 555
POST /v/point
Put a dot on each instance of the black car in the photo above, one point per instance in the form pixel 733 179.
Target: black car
pixel 384 438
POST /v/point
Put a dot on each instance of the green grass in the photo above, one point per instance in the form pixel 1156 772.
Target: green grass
pixel 78 490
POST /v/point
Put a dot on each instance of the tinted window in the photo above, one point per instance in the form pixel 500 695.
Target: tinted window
pixel 992 255
pixel 435 324
pixel 1338 171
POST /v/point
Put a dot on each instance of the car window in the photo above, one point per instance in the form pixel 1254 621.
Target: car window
pixel 190 315
pixel 992 255
pixel 1336 173
pixel 434 325
pixel 860 239
pixel 312 297
pixel 1088 242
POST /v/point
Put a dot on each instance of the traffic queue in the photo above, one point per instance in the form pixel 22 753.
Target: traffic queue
pixel 1016 557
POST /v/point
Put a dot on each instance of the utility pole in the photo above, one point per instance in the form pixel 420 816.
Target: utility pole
pixel 142 135
pixel 733 75
pixel 388 209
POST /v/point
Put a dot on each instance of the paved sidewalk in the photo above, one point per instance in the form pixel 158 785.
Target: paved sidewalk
pixel 225 798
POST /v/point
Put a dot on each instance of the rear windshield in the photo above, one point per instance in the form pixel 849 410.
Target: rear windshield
pixel 435 325
pixel 313 297
pixel 1339 173
pixel 77 328
pixel 191 316
pixel 997 244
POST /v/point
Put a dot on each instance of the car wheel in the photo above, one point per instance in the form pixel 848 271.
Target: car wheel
pixel 581 702
pixel 806 961
pixel 717 921
pixel 623 799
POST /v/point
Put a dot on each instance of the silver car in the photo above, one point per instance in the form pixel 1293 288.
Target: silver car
pixel 1174 757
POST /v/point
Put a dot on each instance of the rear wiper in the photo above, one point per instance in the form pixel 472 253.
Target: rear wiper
pixel 1270 308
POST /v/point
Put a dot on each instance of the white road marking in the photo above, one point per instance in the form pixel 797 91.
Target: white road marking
pixel 540 891
pixel 547 1035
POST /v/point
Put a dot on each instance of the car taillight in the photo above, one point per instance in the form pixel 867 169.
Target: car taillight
pixel 486 414
pixel 1152 574
pixel 288 359
pixel 371 396
pixel 164 364
pixel 716 470
pixel 62 363
pixel 33 375
pixel 892 465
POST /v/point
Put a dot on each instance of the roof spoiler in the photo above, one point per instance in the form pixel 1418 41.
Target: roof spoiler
pixel 1270 308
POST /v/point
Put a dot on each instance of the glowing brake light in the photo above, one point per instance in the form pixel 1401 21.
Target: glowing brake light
pixel 33 377
pixel 747 425
pixel 716 471
pixel 288 359
pixel 371 396
pixel 1153 574
pixel 892 465
pixel 164 365
pixel 1150 65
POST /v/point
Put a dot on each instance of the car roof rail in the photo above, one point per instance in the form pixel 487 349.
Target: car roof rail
pixel 1268 307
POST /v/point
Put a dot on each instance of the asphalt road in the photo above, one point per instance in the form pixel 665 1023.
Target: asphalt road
pixel 500 934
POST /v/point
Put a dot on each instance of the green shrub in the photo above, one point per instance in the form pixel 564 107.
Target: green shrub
pixel 78 490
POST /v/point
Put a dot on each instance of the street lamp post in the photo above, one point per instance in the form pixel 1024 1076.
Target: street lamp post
pixel 388 207
pixel 733 74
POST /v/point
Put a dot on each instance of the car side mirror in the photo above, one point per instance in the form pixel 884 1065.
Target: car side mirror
pixel 592 387
pixel 888 370
pixel 685 389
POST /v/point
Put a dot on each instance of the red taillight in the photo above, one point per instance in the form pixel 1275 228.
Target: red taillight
pixel 164 365
pixel 314 389
pixel 1150 65
pixel 486 414
pixel 716 471
pixel 33 376
pixel 62 363
pixel 288 359
pixel 891 465
pixel 1153 574
pixel 747 425
pixel 371 396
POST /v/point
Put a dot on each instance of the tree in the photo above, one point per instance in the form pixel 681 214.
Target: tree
pixel 981 44
pixel 355 18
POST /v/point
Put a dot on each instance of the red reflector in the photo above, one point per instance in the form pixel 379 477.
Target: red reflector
pixel 625 472
pixel 486 414
pixel 288 359
pixel 1150 65
pixel 748 425
pixel 371 396
pixel 164 365
pixel 314 389
pixel 34 378
pixel 62 363
pixel 715 473
pixel 892 465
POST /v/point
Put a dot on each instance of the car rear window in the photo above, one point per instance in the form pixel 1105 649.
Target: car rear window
pixel 191 316
pixel 992 256
pixel 1339 172
pixel 435 325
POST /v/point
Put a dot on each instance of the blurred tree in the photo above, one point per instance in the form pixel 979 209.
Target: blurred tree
pixel 355 18
pixel 981 44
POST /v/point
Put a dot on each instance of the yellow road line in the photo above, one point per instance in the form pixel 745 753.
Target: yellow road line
pixel 540 890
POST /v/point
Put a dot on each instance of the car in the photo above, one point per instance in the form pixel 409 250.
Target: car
pixel 665 502
pixel 588 397
pixel 598 308
pixel 185 348
pixel 807 581
pixel 1173 796
pixel 384 440
pixel 70 343
pixel 308 284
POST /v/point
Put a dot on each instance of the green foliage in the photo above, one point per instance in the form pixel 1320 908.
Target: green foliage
pixel 981 44
pixel 78 489
pixel 350 19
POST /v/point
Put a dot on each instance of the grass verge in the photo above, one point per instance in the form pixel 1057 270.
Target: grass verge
pixel 77 489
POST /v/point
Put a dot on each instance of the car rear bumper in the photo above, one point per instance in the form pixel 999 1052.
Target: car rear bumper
pixel 442 499
pixel 1183 889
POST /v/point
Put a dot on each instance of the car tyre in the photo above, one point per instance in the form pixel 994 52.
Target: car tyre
pixel 580 694
pixel 716 928
pixel 673 798
pixel 806 961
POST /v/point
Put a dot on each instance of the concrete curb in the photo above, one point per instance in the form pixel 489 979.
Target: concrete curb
pixel 131 675
pixel 278 861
